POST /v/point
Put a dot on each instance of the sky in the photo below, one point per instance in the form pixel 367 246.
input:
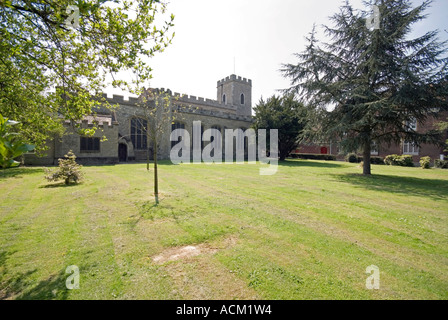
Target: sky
pixel 250 38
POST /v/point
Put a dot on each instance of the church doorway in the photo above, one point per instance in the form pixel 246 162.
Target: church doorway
pixel 122 152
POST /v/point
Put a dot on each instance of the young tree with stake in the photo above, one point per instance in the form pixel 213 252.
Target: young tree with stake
pixel 154 116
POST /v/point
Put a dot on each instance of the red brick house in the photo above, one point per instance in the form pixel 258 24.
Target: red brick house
pixel 403 148
pixel 313 148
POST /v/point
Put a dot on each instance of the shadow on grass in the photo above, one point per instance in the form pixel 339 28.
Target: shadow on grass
pixel 59 185
pixel 433 188
pixel 150 210
pixel 18 172
pixel 151 163
pixel 52 288
pixel 21 286
pixel 159 163
pixel 311 163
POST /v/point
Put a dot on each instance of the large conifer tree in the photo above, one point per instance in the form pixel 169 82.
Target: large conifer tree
pixel 287 115
pixel 378 80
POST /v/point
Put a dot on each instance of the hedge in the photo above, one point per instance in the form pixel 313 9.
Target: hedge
pixel 397 160
pixel 353 158
pixel 310 156
pixel 443 164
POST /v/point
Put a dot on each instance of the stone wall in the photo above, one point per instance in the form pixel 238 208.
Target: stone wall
pixel 72 141
pixel 45 159
pixel 230 115
pixel 188 109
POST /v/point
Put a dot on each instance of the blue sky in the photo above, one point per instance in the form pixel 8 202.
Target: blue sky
pixel 257 35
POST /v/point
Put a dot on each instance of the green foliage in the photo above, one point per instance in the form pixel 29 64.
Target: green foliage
pixel 310 156
pixel 11 144
pixel 352 158
pixel 378 81
pixel 397 160
pixel 442 164
pixel 50 70
pixel 443 127
pixel 376 160
pixel 425 162
pixel 287 115
pixel 68 170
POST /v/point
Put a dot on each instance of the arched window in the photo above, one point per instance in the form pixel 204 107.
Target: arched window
pixel 242 98
pixel 139 133
pixel 224 98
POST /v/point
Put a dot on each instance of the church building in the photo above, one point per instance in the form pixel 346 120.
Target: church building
pixel 122 126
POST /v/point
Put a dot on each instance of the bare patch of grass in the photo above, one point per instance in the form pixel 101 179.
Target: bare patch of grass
pixel 185 252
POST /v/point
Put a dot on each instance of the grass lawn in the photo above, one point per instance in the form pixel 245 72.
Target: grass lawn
pixel 308 232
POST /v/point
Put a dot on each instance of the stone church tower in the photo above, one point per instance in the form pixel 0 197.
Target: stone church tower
pixel 236 91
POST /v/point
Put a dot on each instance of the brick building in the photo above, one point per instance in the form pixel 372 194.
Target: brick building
pixel 125 140
pixel 408 148
pixel 403 148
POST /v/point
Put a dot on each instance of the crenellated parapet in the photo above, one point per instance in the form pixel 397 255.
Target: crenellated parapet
pixel 212 113
pixel 99 121
pixel 234 77
pixel 189 99
pixel 116 98
pixel 233 99
pixel 177 97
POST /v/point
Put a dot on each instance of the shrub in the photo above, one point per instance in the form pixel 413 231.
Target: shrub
pixel 376 160
pixel 397 160
pixel 310 156
pixel 425 162
pixel 442 164
pixel 68 170
pixel 352 158
pixel 293 155
pixel 406 161
pixel 391 160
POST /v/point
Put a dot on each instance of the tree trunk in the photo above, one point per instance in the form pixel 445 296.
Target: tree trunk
pixel 366 160
pixel 147 159
pixel 156 178
pixel 282 155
